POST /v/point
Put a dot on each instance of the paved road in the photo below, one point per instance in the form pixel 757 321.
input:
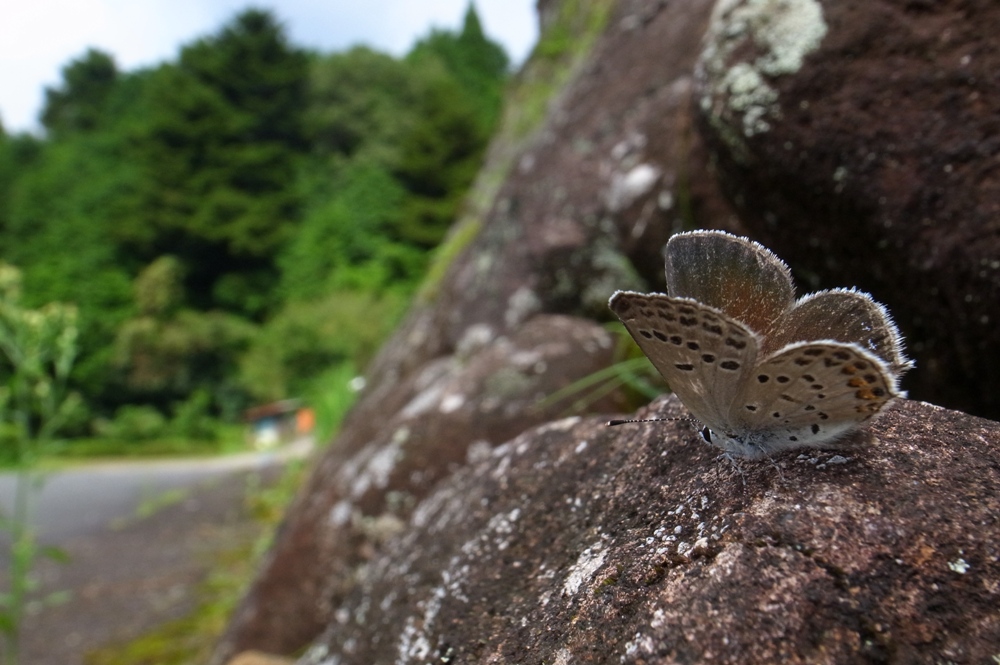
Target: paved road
pixel 88 498
pixel 124 581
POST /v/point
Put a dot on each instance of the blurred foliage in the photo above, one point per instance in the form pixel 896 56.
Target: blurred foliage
pixel 37 350
pixel 343 328
pixel 246 222
pixel 79 105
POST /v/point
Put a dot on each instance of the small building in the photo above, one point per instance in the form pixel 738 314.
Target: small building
pixel 278 423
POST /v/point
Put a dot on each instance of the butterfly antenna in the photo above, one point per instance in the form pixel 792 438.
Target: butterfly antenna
pixel 613 423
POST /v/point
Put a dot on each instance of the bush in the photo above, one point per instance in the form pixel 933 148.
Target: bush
pixel 306 339
pixel 133 423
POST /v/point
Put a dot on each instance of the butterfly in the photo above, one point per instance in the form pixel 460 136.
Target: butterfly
pixel 763 371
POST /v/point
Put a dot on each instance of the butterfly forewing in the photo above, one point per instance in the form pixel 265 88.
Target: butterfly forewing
pixel 702 353
pixel 738 276
pixel 812 392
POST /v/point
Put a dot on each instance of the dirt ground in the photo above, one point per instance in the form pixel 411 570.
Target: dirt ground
pixel 131 578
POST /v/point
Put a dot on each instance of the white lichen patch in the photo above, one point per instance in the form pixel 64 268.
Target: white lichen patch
pixel 822 460
pixel 639 644
pixel 628 187
pixel 960 566
pixel 525 359
pixel 562 425
pixel 684 531
pixel 502 526
pixel 563 657
pixel 736 94
pixel 475 338
pixel 588 563
pixel 416 640
pixel 376 469
pixel 422 402
pixel 521 306
pixel 478 451
pixel 413 643
pixel 319 654
pixel 451 403
pixel 341 513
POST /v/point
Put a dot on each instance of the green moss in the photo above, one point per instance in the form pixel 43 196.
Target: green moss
pixel 461 237
pixel 560 49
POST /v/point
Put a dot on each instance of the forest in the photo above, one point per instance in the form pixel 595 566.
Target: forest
pixel 243 224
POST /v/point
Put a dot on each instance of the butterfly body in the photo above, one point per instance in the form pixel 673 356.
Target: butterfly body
pixel 765 373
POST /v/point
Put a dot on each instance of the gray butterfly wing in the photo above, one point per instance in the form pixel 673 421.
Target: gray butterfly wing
pixel 704 355
pixel 736 275
pixel 844 315
pixel 812 393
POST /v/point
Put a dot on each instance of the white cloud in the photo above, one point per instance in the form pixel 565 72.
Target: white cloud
pixel 38 37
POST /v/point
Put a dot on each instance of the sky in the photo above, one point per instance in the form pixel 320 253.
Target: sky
pixel 39 37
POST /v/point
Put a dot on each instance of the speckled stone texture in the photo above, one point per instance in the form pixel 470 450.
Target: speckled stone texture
pixel 860 140
pixel 856 140
pixel 579 543
pixel 393 452
pixel 593 193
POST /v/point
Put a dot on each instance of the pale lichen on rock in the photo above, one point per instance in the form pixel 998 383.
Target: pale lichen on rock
pixel 736 95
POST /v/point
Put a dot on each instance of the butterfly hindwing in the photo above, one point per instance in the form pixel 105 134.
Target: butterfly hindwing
pixel 812 392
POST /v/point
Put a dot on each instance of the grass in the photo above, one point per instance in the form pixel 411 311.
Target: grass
pixel 230 439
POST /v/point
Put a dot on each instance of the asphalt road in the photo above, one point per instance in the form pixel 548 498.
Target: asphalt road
pixel 131 570
pixel 91 497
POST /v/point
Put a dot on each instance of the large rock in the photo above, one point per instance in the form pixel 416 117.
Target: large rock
pixel 392 454
pixel 579 543
pixel 859 141
pixel 595 190
pixel 416 541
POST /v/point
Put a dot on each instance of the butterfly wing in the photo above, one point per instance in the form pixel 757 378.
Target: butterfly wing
pixel 844 315
pixel 704 355
pixel 736 275
pixel 811 393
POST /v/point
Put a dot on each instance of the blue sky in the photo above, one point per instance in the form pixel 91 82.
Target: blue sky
pixel 38 37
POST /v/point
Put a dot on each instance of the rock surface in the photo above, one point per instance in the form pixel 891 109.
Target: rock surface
pixel 579 543
pixel 391 454
pixel 258 658
pixel 597 188
pixel 860 142
pixel 418 539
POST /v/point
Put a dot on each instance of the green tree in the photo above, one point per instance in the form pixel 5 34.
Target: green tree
pixel 350 238
pixel 477 64
pixel 280 183
pixel 219 153
pixel 307 339
pixel 78 105
pixel 460 79
pixel 61 212
pixel 360 104
pixel 168 351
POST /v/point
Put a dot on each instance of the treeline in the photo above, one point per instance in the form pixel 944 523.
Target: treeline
pixel 247 222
